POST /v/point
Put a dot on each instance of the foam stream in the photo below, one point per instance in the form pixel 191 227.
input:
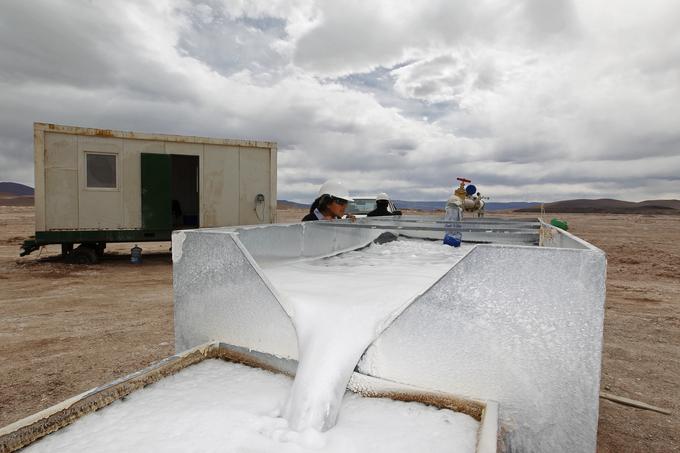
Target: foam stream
pixel 339 306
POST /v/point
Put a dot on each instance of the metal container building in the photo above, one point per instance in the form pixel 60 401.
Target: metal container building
pixel 94 186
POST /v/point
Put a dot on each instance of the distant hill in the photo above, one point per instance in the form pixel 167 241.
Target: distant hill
pixel 434 205
pixel 609 206
pixel 16 200
pixel 422 205
pixel 13 188
pixel 499 206
pixel 285 204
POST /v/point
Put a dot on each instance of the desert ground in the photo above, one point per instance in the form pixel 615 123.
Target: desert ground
pixel 67 328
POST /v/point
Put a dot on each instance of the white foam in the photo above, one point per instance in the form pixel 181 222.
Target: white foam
pixel 340 305
pixel 178 238
pixel 217 406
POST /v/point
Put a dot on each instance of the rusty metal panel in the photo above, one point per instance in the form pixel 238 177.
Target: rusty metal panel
pixel 189 149
pixel 99 208
pixel 39 175
pixel 220 186
pixel 61 181
pixel 254 179
pixel 61 199
pixel 273 195
pixel 109 133
pixel 60 151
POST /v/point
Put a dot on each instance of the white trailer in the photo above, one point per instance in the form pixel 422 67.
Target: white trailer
pixel 94 186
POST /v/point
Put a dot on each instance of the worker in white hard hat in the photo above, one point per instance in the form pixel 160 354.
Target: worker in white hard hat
pixel 331 202
pixel 382 202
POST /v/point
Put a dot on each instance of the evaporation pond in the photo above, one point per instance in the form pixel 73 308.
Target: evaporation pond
pixel 218 406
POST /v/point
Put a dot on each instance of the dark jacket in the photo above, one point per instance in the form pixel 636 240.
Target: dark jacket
pixel 379 211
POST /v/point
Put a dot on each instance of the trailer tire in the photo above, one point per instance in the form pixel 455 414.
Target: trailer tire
pixel 83 255
pixel 66 249
pixel 98 247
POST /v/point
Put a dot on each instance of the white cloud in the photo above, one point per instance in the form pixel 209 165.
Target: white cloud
pixel 535 99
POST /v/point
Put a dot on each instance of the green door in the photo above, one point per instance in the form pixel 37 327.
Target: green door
pixel 156 192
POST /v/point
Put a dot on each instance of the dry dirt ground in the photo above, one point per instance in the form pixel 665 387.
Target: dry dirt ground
pixel 67 328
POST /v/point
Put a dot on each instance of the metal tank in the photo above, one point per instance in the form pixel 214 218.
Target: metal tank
pixel 518 320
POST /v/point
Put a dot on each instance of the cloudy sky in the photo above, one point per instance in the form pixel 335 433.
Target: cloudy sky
pixel 531 99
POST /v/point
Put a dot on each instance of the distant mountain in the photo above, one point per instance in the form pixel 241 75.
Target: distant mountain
pixel 285 204
pixel 675 204
pixel 422 205
pixel 609 206
pixel 13 188
pixel 500 206
pixel 434 205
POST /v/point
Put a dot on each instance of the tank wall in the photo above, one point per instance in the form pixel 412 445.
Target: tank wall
pixel 320 240
pixel 552 236
pixel 300 240
pixel 497 231
pixel 273 243
pixel 220 293
pixel 220 296
pixel 519 325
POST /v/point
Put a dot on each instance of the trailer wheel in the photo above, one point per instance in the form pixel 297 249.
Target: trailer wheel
pixel 83 255
pixel 66 249
pixel 98 247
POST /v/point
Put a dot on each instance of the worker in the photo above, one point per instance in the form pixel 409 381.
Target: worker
pixel 382 201
pixel 331 202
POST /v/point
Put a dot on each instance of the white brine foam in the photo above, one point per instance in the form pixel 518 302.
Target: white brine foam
pixel 340 305
pixel 221 407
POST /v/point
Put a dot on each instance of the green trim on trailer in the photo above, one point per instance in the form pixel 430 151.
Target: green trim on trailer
pixel 156 191
pixel 92 236
pixel 76 236
pixel 29 245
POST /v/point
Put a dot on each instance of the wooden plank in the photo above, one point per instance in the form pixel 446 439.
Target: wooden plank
pixel 633 403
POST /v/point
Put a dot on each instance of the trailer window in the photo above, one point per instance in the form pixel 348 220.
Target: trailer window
pixel 101 170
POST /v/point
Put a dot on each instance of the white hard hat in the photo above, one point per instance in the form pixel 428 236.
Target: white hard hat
pixel 335 189
pixel 382 196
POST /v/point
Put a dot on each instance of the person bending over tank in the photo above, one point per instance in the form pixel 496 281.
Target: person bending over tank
pixel 382 201
pixel 331 202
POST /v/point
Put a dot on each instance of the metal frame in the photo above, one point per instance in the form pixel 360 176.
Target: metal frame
pixel 509 318
pixel 89 236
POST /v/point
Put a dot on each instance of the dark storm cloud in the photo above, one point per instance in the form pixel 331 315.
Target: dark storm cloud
pixel 54 43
